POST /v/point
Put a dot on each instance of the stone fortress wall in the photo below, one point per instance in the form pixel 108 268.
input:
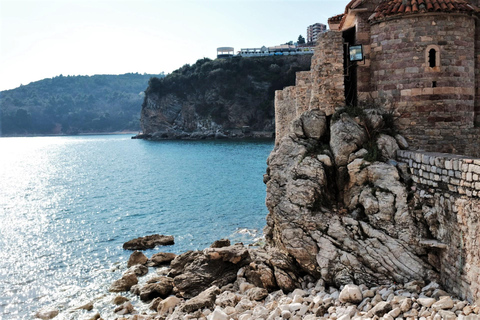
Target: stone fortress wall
pixel 438 111
pixel 436 104
pixel 320 88
pixel 448 187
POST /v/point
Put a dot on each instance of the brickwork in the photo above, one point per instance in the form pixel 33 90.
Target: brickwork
pixel 477 73
pixel 436 104
pixel 452 173
pixel 448 189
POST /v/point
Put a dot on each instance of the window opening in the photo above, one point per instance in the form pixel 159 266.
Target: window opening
pixel 434 84
pixel 432 58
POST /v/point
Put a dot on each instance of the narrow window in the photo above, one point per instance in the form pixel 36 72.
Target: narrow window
pixel 432 58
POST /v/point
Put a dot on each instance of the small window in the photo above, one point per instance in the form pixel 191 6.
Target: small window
pixel 432 58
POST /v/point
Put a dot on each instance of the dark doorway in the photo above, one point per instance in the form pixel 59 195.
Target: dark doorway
pixel 350 69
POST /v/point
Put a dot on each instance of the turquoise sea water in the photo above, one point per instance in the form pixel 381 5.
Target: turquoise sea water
pixel 67 204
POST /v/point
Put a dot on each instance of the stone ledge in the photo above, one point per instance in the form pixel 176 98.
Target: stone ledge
pixel 450 172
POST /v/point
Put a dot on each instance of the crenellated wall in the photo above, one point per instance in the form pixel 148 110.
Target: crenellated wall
pixel 447 188
pixel 320 88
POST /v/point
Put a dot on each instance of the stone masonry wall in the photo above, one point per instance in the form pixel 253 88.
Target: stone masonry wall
pixel 436 105
pixel 448 191
pixel 477 73
pixel 320 88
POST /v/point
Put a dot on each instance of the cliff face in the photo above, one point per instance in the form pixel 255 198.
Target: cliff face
pixel 344 218
pixel 347 210
pixel 224 97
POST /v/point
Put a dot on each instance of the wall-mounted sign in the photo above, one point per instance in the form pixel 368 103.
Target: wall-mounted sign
pixel 356 52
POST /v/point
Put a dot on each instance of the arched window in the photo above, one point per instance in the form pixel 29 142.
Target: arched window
pixel 432 58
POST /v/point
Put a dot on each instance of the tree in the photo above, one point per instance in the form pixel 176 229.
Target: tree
pixel 301 40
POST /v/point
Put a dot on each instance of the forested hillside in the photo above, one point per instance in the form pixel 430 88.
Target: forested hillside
pixel 218 97
pixel 74 104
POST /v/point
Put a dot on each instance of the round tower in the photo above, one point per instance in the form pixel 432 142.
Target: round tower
pixel 423 61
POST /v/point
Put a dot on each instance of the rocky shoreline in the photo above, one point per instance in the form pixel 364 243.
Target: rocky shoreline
pixel 236 282
pixel 205 135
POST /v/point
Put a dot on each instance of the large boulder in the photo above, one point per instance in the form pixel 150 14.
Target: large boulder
pixel 346 137
pixel 195 271
pixel 148 242
pixel 161 258
pixel 47 313
pixel 135 258
pixel 387 146
pixel 127 281
pixel 311 124
pixel 206 299
pixel 162 288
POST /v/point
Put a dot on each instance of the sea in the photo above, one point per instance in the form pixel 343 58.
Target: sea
pixel 67 205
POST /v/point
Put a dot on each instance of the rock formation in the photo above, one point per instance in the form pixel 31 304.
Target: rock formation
pixel 338 203
pixel 148 242
pixel 240 283
pixel 218 99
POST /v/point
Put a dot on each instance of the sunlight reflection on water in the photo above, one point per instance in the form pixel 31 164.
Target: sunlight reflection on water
pixel 67 204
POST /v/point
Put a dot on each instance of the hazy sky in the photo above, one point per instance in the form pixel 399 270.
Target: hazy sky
pixel 45 38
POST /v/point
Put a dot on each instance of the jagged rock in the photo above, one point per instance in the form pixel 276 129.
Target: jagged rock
pixel 167 305
pixel 161 288
pixel 311 124
pixel 351 293
pixel 138 269
pixel 380 309
pixel 346 137
pixel 233 254
pixel 118 300
pixel 135 258
pixel 135 289
pixel 256 293
pixel 444 303
pixel 125 308
pixel 205 299
pixel 194 271
pixel 161 258
pixel 218 314
pixel 220 243
pixel 47 313
pixel 87 306
pixel 426 302
pixel 347 224
pixel 124 283
pixel 227 298
pixel 387 146
pixel 155 302
pixel 148 242
pixel 401 141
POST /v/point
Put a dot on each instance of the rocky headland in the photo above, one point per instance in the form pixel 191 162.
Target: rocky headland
pixel 222 98
pixel 348 237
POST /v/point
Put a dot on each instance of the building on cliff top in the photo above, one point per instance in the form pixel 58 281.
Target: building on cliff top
pixel 421 58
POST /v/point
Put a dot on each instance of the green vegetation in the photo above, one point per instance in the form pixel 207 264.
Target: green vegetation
pixel 232 92
pixel 301 40
pixel 74 104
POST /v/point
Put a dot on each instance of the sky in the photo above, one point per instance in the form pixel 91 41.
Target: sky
pixel 45 38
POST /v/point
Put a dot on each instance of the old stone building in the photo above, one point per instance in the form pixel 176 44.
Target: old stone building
pixel 421 58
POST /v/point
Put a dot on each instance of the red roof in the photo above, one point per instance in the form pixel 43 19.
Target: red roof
pixel 336 18
pixel 388 8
